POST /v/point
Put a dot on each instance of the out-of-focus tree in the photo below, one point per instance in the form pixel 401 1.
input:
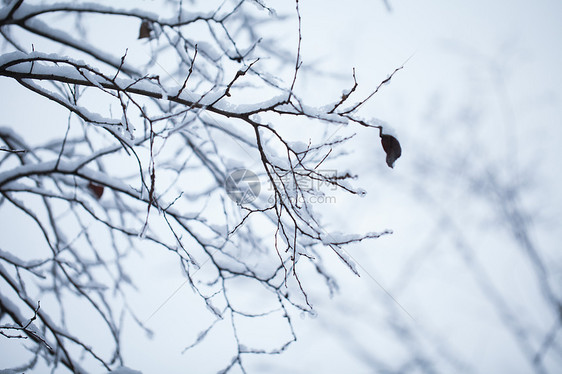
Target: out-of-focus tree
pixel 479 267
pixel 168 112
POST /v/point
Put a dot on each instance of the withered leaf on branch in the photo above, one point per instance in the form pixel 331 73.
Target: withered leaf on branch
pixel 96 190
pixel 145 29
pixel 392 148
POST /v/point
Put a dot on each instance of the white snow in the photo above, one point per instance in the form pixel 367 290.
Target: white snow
pixel 124 370
pixel 298 147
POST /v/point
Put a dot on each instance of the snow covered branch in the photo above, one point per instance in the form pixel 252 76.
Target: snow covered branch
pixel 159 153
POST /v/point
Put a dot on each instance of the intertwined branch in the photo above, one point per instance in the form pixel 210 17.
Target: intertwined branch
pixel 127 177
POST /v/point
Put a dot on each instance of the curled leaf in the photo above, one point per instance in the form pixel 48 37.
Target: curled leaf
pixel 392 148
pixel 145 29
pixel 96 190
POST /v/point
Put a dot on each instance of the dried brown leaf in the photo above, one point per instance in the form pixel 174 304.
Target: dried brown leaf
pixel 96 190
pixel 145 29
pixel 391 146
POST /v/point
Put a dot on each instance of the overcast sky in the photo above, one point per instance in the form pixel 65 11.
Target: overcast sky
pixel 496 64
